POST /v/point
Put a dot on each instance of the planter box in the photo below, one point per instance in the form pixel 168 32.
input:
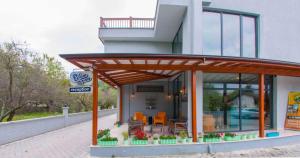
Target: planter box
pixel 235 138
pixel 251 136
pixel 139 142
pixel 200 139
pixel 212 140
pixel 107 143
pixel 167 141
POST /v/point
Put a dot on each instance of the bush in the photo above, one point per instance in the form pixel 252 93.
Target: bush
pixel 167 137
pixel 140 135
pixel 109 139
pixel 102 133
pixel 125 135
pixel 230 134
pixel 212 135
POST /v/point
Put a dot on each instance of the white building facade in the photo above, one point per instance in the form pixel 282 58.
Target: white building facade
pixel 228 28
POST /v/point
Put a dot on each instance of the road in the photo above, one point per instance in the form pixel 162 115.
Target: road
pixel 69 142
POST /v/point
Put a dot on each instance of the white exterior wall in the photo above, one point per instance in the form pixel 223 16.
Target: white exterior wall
pixel 283 85
pixel 137 47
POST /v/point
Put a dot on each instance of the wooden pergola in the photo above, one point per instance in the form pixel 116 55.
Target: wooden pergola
pixel 121 69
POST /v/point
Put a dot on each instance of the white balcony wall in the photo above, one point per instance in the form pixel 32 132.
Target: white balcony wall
pixel 137 47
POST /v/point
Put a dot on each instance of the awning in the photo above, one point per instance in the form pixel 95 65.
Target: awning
pixel 123 68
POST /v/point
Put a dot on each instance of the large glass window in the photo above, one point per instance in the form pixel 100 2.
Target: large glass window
pixel 248 37
pixel 229 34
pixel 231 102
pixel 212 33
pixel 177 42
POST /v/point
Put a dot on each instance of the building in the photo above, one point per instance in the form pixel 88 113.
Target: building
pixel 223 65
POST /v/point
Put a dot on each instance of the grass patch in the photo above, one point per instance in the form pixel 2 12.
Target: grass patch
pixel 34 115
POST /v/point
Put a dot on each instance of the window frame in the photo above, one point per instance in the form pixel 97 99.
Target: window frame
pixel 241 14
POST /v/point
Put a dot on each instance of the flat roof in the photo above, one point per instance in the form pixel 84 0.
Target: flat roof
pixel 119 69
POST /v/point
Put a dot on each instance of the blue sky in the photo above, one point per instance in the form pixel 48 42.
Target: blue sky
pixel 64 26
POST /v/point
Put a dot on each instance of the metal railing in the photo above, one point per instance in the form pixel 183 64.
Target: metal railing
pixel 127 23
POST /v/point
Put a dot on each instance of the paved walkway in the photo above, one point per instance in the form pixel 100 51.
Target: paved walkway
pixel 69 142
pixel 74 141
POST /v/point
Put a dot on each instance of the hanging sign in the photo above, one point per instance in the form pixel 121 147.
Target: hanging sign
pixel 292 120
pixel 81 82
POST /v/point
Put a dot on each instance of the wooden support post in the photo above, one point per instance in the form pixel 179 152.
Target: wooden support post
pixel 95 108
pixel 121 105
pixel 194 112
pixel 261 105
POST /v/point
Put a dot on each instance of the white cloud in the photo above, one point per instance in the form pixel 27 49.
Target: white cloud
pixel 64 26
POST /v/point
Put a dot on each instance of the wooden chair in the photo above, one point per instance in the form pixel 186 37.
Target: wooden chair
pixel 140 117
pixel 160 118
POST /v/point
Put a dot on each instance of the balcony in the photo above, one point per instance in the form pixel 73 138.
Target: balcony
pixel 127 23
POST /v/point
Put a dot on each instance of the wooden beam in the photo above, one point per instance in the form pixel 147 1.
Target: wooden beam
pixel 261 105
pixel 194 109
pixel 150 73
pixel 109 78
pixel 95 108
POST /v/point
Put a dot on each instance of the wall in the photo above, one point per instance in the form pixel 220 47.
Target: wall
pixel 137 47
pixel 279 25
pixel 132 104
pixel 284 86
pixel 17 130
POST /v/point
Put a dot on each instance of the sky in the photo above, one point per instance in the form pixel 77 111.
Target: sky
pixel 64 26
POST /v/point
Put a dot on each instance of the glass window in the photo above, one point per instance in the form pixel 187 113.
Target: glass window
pixel 248 37
pixel 231 35
pixel 211 33
pixel 177 42
pixel 234 106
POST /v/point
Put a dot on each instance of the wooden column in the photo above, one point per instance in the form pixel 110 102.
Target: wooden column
pixel 95 108
pixel 261 105
pixel 194 112
pixel 121 105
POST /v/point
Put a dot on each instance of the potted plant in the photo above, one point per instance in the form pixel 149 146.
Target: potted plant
pixel 182 135
pixel 125 137
pixel 212 137
pixel 103 133
pixel 200 137
pixel 230 137
pixel 155 140
pixel 243 137
pixel 167 139
pixel 118 123
pixel 190 140
pixel 108 141
pixel 140 138
pixel 251 135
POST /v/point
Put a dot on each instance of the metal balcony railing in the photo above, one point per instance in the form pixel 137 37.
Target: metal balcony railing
pixel 127 23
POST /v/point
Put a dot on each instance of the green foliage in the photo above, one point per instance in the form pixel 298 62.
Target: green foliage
pixel 227 134
pixel 103 133
pixel 32 115
pixel 212 135
pixel 109 139
pixel 125 135
pixel 183 134
pixel 167 137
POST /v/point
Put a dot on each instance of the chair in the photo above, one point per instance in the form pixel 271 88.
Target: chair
pixel 140 117
pixel 160 118
pixel 177 125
